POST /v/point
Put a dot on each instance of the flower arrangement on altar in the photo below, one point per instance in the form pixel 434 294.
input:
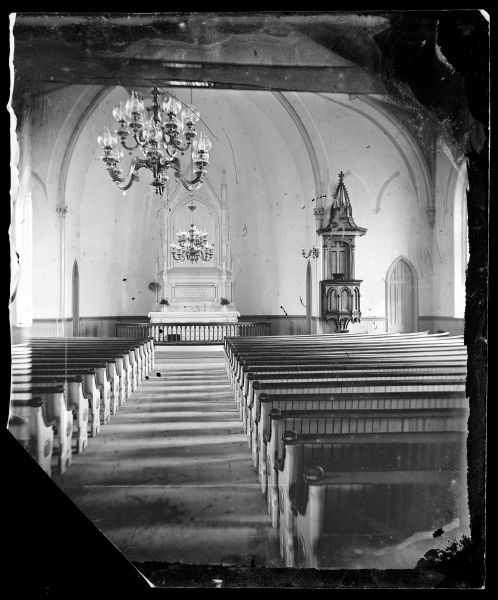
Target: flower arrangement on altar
pixel 224 301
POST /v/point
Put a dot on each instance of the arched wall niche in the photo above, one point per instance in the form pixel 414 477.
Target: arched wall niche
pixel 206 281
pixel 206 216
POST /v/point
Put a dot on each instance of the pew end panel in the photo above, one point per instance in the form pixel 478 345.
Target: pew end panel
pixel 92 394
pixel 56 414
pixel 77 400
pixel 29 426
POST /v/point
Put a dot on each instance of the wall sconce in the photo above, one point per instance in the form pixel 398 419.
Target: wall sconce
pixel 313 253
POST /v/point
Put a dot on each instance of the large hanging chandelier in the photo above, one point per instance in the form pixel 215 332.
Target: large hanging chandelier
pixel 192 244
pixel 160 132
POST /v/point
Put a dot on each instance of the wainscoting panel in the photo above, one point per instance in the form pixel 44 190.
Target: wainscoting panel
pixel 280 325
pixel 97 326
pixel 296 324
pixel 452 325
pixel 371 325
pixel 50 328
pixel 89 327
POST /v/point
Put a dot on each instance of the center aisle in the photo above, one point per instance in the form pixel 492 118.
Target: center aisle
pixel 169 478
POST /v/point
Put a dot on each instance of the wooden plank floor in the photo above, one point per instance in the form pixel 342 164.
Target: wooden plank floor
pixel 170 478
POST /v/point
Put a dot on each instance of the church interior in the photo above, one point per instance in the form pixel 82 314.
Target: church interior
pixel 242 248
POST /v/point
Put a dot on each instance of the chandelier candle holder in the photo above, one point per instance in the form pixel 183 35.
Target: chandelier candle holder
pixel 160 132
pixel 313 253
pixel 192 244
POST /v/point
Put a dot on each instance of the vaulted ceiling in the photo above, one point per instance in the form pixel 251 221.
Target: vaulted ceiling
pixel 405 56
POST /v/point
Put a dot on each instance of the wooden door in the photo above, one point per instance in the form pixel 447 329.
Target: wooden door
pixel 401 301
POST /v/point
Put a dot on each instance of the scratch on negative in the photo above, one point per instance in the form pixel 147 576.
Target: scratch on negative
pixel 233 156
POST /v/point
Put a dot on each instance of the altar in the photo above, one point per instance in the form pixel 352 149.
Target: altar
pixel 195 312
pixel 194 291
pixel 177 316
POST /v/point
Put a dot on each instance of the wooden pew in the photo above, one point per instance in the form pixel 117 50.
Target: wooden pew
pixel 120 366
pixel 73 390
pixel 291 356
pixel 250 371
pixel 358 459
pixel 239 347
pixel 317 423
pixel 244 395
pixel 56 415
pixel 142 350
pixel 94 387
pixel 87 368
pixel 305 354
pixel 398 385
pixel 233 345
pixel 341 385
pixel 331 402
pixel 138 353
pixel 95 384
pixel 372 372
pixel 337 523
pixel 121 369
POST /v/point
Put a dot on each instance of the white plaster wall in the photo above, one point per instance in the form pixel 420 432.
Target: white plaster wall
pixel 120 232
pixel 450 238
pixel 371 148
pixel 270 192
pixel 444 251
pixel 49 136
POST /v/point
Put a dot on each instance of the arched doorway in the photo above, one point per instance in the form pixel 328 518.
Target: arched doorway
pixel 401 297
pixel 76 299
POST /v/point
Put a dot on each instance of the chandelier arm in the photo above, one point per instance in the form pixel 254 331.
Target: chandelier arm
pixel 126 147
pixel 191 184
pixel 179 147
pixel 125 182
pixel 172 154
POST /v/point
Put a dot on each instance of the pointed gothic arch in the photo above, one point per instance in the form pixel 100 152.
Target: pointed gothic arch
pixel 309 284
pixel 76 299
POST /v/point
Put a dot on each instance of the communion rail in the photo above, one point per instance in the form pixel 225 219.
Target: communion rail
pixel 191 333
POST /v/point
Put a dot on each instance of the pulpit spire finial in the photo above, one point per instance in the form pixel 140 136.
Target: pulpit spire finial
pixel 341 196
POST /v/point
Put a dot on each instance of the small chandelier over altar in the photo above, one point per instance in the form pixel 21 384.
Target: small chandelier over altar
pixel 192 244
pixel 160 132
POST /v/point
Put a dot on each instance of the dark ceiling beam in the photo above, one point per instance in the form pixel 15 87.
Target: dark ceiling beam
pixel 141 72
